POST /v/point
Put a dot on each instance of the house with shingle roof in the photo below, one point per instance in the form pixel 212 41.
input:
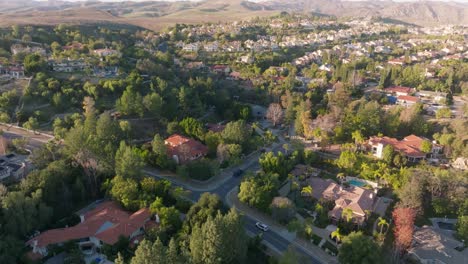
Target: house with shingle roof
pixel 432 246
pixel 104 223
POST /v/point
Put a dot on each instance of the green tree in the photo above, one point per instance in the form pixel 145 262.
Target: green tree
pixel 387 154
pixel 272 163
pixel 382 223
pixel 153 103
pixel 128 162
pixel 348 214
pixel 119 259
pixel 125 191
pixel 359 249
pixel 207 206
pixel 130 103
pixel 236 133
pixel 169 217
pixel 31 124
pixel 10 249
pixel 219 240
pixel 23 214
pixel 173 256
pixel 337 235
pixel 289 257
pixel 426 146
pixel 462 227
pixel 347 161
pixel 307 190
pixel 34 63
pixel 192 128
pixel 258 191
pixel 148 253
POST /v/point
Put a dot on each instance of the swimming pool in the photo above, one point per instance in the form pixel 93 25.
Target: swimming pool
pixel 446 226
pixel 357 183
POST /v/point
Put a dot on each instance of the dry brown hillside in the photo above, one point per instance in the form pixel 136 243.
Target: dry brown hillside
pixel 158 14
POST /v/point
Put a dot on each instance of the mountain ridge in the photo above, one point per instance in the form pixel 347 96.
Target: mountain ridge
pixel 158 14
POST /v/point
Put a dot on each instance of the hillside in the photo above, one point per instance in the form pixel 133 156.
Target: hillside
pixel 158 14
pixel 421 13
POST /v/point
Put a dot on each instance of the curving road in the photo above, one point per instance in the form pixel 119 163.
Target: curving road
pixel 274 240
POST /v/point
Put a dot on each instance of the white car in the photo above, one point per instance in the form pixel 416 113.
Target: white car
pixel 262 226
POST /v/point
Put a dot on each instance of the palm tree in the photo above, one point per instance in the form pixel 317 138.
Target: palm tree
pixel 337 235
pixel 307 190
pixel 358 139
pixel 382 222
pixel 348 214
pixel 341 176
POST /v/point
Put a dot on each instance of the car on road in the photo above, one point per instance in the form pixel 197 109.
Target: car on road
pixel 237 173
pixel 261 226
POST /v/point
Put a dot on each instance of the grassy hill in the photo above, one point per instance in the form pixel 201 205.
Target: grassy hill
pixel 158 14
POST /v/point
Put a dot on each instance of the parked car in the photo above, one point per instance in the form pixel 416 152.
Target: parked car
pixel 261 226
pixel 237 173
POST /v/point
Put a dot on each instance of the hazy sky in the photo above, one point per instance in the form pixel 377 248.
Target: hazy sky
pixel 463 1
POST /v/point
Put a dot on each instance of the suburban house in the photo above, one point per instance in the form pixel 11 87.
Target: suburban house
pixel 11 169
pixel 432 246
pixel 16 72
pixel 435 97
pixel 399 91
pixel 191 47
pixel 183 149
pixel 220 69
pixel 247 59
pixel 101 223
pixel 19 48
pixel 234 76
pixel 68 65
pixel 407 100
pixel 361 201
pixel 410 147
pixel 106 52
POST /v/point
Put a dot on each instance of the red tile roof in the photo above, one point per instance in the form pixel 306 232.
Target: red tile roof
pixel 399 89
pixel 410 145
pixel 408 98
pixel 185 148
pixel 106 222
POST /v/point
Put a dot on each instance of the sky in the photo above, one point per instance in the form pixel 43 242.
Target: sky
pixel 462 1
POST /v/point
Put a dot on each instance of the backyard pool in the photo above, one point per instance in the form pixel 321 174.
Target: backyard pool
pixel 357 183
pixel 446 226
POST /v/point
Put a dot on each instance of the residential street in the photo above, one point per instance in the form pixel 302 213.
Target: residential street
pixel 222 186
pixel 274 239
pixel 35 139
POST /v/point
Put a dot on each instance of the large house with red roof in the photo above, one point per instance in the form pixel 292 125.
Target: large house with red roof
pixel 410 147
pixel 183 149
pixel 101 224
pixel 407 100
pixel 361 201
